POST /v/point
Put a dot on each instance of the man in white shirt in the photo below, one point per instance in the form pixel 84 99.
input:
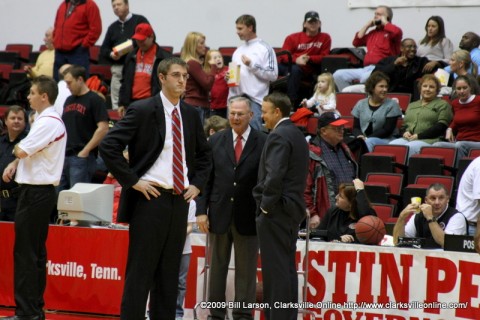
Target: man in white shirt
pixel 258 67
pixel 435 219
pixel 468 199
pixel 37 170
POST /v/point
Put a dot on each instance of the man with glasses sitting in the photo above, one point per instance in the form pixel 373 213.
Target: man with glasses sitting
pixel 139 78
pixel 331 163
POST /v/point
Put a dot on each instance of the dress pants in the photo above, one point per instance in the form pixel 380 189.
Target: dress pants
pixel 278 233
pixel 156 238
pixel 246 254
pixel 35 203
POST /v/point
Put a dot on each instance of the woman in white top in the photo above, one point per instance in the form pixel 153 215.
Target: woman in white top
pixel 435 46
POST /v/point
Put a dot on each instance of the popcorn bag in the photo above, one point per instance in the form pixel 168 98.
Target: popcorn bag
pixel 123 48
pixel 233 74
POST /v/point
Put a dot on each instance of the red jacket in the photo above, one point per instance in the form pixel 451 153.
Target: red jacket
pixel 380 42
pixel 82 27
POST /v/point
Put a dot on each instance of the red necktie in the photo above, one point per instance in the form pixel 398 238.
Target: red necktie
pixel 178 183
pixel 238 148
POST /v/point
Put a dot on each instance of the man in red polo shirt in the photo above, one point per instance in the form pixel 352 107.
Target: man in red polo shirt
pixel 139 80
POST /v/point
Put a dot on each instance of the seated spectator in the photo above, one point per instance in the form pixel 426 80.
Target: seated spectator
pixel 44 63
pixel 219 91
pixel 470 42
pixel 382 41
pixel 464 131
pixel 461 64
pixel 214 124
pixel 15 123
pixel 404 69
pixel 307 48
pixel 426 120
pixel 331 163
pixel 435 46
pixel 323 99
pixel 199 82
pixel 351 204
pixel 375 117
pixel 435 218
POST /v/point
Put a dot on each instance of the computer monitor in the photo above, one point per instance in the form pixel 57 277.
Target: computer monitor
pixel 86 202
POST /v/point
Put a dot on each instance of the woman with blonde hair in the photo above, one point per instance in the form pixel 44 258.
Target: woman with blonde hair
pixel 199 82
pixel 461 64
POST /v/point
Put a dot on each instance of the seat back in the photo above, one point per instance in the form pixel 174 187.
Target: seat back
pixel 312 126
pixel 227 53
pixel 403 99
pixel 169 49
pixel 23 50
pixel 394 180
pixel 94 54
pixel 384 211
pixel 449 154
pixel 427 180
pixel 432 161
pixel 104 71
pixel 347 100
pixel 474 152
pixel 5 69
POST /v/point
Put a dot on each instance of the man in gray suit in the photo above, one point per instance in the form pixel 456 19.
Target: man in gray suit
pixel 279 194
pixel 231 208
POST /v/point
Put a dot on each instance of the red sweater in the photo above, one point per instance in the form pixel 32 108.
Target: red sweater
pixel 82 27
pixel 381 42
pixel 300 43
pixel 466 120
pixel 199 84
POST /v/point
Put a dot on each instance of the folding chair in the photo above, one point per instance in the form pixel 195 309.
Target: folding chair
pixel 23 50
pixel 385 212
pixel 384 158
pixel 432 161
pixel 347 100
pixel 384 187
pixel 403 99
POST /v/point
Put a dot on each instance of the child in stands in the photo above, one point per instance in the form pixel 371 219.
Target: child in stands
pixel 323 99
pixel 219 91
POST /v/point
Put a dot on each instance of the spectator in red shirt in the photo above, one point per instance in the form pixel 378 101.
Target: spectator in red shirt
pixel 382 41
pixel 307 48
pixel 78 26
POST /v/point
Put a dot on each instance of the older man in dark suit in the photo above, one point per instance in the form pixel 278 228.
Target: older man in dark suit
pixel 279 194
pixel 231 208
pixel 165 141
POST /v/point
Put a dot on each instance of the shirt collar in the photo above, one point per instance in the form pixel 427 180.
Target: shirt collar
pixel 244 135
pixel 167 105
pixel 128 17
pixel 281 120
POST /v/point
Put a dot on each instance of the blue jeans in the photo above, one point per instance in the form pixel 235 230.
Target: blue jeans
pixel 76 170
pixel 413 146
pixel 182 283
pixel 256 121
pixel 79 56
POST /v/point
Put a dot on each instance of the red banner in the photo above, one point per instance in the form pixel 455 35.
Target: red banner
pixel 86 268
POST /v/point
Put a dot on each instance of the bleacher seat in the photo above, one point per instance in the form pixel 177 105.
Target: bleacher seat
pixel 422 182
pixel 347 100
pixel 384 187
pixel 403 99
pixel 385 212
pixel 94 54
pixel 227 53
pixel 23 50
pixel 432 161
pixel 384 158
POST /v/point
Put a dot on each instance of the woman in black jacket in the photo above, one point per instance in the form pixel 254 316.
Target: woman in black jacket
pixel 351 204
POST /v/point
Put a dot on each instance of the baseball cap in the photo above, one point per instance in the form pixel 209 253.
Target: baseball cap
pixel 142 31
pixel 311 15
pixel 330 118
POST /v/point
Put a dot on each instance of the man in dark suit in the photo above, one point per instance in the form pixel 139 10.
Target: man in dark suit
pixel 279 194
pixel 231 208
pixel 165 141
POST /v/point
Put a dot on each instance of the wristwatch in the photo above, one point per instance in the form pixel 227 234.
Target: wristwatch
pixel 434 219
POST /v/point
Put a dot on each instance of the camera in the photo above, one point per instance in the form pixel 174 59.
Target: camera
pixel 378 22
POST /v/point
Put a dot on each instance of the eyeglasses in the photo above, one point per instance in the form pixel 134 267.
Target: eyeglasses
pixel 178 75
pixel 236 114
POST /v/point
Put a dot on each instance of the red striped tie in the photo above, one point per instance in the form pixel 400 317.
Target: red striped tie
pixel 178 183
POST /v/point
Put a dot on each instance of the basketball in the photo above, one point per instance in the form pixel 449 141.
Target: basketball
pixel 370 230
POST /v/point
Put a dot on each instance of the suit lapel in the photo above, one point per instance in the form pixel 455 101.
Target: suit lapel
pixel 228 145
pixel 160 116
pixel 249 145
